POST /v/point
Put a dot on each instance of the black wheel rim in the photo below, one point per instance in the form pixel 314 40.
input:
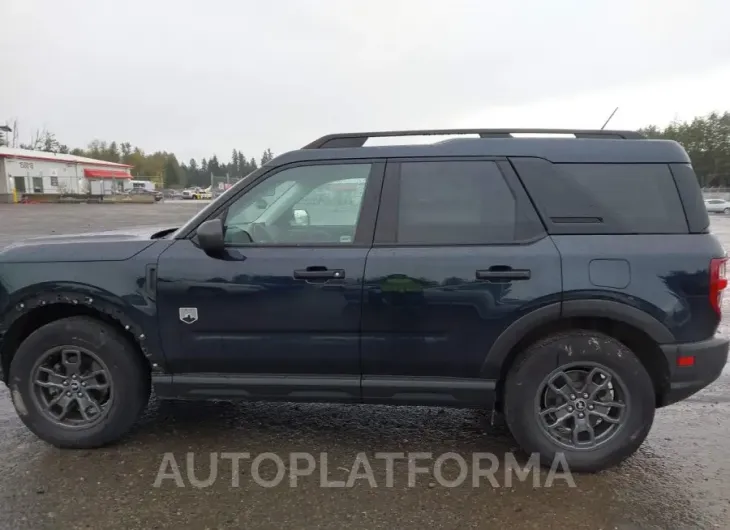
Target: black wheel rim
pixel 581 406
pixel 72 387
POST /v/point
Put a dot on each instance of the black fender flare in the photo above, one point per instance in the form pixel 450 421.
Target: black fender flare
pixel 95 301
pixel 500 350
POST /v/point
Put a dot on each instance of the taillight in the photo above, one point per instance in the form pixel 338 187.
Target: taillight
pixel 718 282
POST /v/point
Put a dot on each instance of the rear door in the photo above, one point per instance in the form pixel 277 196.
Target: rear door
pixel 459 255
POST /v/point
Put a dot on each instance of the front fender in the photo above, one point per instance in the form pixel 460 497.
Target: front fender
pixel 136 314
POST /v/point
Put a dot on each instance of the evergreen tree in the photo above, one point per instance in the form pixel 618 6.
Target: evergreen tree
pixel 171 173
pixel 267 157
pixel 234 167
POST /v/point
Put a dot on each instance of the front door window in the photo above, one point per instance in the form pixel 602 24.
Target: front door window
pixel 299 206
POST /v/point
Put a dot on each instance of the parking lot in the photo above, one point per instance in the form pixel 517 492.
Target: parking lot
pixel 680 478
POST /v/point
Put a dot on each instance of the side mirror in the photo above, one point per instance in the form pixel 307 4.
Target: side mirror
pixel 210 236
pixel 301 218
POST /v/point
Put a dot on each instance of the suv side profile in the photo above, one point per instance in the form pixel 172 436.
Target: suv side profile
pixel 571 284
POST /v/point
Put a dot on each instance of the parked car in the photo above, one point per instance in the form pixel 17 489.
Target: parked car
pixel 141 191
pixel 203 194
pixel 172 194
pixel 188 193
pixel 517 275
pixel 717 205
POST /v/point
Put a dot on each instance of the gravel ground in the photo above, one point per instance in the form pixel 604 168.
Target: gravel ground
pixel 680 478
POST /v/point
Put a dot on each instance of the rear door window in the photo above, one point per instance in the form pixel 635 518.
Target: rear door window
pixel 458 202
pixel 454 202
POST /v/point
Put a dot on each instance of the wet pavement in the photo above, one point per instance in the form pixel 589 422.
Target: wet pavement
pixel 680 478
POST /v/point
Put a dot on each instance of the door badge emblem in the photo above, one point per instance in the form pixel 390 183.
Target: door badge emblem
pixel 189 314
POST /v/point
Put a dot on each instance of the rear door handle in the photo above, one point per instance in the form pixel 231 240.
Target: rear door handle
pixel 503 274
pixel 319 273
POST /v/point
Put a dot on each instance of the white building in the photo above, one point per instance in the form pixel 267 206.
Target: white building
pixel 28 171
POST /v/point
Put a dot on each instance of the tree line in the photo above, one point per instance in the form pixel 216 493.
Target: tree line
pixel 707 142
pixel 706 139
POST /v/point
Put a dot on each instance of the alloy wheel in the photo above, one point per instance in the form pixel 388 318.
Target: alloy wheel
pixel 582 405
pixel 72 386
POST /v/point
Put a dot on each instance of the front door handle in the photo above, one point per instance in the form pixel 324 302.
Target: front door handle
pixel 503 274
pixel 319 273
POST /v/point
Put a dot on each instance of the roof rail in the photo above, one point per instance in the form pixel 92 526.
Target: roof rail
pixel 359 139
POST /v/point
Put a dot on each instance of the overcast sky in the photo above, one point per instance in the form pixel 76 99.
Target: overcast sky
pixel 206 76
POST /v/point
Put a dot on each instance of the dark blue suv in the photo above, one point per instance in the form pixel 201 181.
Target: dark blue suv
pixel 571 284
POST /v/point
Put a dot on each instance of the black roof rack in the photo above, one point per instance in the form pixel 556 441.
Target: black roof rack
pixel 358 139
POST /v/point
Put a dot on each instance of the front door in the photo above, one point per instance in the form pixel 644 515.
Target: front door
pixel 285 299
pixel 459 255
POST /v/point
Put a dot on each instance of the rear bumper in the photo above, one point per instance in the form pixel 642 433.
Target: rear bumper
pixel 710 357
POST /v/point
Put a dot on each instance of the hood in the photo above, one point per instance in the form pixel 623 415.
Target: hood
pixel 110 245
pixel 121 234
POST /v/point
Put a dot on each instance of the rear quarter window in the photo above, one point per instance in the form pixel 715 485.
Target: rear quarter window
pixel 604 198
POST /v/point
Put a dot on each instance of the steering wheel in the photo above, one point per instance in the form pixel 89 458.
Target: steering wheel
pixel 260 234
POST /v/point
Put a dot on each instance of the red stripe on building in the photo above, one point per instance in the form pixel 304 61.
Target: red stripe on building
pixel 106 174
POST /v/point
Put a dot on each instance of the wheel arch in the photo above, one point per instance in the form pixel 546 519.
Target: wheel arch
pixel 36 310
pixel 636 329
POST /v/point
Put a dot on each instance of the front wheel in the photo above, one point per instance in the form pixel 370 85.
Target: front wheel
pixel 582 394
pixel 726 211
pixel 78 383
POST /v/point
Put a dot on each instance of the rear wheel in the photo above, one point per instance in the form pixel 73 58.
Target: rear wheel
pixel 78 383
pixel 726 210
pixel 583 394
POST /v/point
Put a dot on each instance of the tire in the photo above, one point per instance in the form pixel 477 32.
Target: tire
pixel 726 211
pixel 578 352
pixel 128 382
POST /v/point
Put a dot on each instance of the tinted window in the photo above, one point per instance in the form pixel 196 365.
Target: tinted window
pixel 454 202
pixel 631 197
